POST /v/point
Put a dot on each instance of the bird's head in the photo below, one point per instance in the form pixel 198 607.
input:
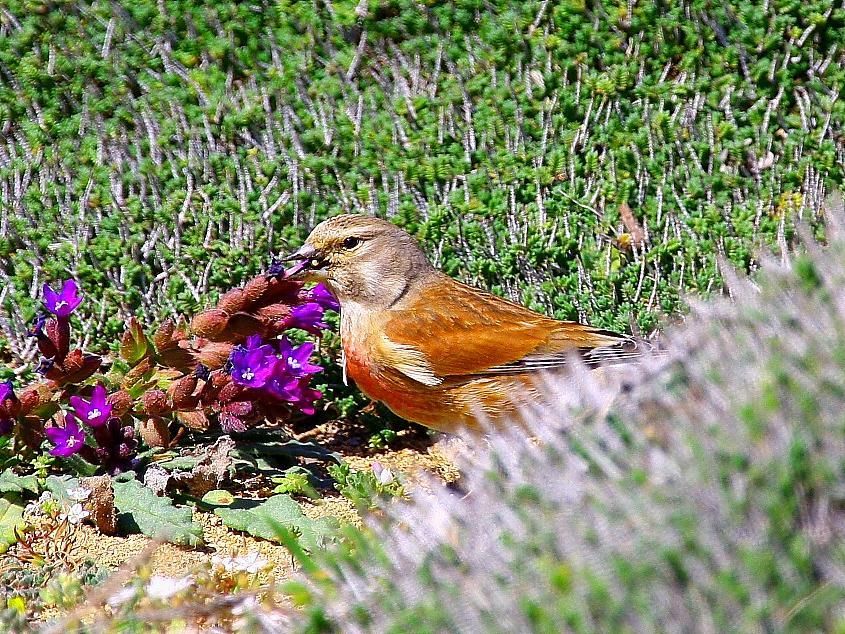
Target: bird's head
pixel 362 259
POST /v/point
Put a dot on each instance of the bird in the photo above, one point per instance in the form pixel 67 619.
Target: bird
pixel 434 350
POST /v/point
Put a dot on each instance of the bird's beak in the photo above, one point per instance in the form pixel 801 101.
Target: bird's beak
pixel 309 265
pixel 305 252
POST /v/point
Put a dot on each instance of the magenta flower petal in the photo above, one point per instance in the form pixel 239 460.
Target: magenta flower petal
pixel 282 385
pixel 296 359
pixel 68 439
pixel 94 412
pixel 6 391
pixel 308 317
pixel 64 302
pixel 253 342
pixel 323 296
pixel 252 367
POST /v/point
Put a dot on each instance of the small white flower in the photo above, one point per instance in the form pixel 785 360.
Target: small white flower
pixel 75 514
pixel 251 563
pixel 46 496
pixel 162 587
pixel 223 561
pixel 386 476
pixel 122 596
pixel 383 474
pixel 78 494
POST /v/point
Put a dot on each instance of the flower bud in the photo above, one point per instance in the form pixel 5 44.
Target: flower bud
pixel 180 394
pixel 229 392
pixel 121 402
pixel 244 324
pixel 101 503
pixel 176 357
pixel 233 301
pixel 255 289
pixel 219 379
pixel 46 346
pixel 213 355
pixel 196 420
pixel 163 337
pixel 281 291
pixel 274 312
pixel 155 432
pixel 210 323
pixel 58 332
pixel 154 402
pixel 137 373
pixel 77 367
pixel 30 399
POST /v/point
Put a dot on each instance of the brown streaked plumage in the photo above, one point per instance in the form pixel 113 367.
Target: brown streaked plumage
pixel 434 350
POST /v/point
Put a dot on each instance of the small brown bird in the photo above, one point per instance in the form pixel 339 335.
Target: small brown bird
pixel 434 350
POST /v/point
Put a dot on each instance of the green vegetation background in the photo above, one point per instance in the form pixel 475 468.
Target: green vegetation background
pixel 160 151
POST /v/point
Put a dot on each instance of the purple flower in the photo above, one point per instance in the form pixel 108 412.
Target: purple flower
pixel 117 446
pixel 64 302
pixel 295 360
pixel 291 389
pixel 94 412
pixel 68 439
pixel 321 295
pixel 37 328
pixel 305 397
pixel 308 316
pixel 282 385
pixel 252 364
pixel 253 342
pixel 6 391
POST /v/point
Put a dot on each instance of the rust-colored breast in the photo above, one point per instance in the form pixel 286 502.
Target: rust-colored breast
pixel 446 407
pixel 405 397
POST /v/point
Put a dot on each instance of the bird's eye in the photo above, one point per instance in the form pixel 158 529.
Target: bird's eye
pixel 351 242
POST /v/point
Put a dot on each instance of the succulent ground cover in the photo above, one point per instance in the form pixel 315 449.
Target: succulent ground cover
pixel 594 160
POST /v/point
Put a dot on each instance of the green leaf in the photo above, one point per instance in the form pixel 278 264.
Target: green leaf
pixel 142 510
pixel 59 485
pixel 218 497
pixel 185 463
pixel 262 520
pixel 11 517
pixel 10 482
pixel 133 345
pixel 80 466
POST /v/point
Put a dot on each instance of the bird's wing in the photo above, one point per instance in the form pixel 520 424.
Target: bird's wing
pixel 458 331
